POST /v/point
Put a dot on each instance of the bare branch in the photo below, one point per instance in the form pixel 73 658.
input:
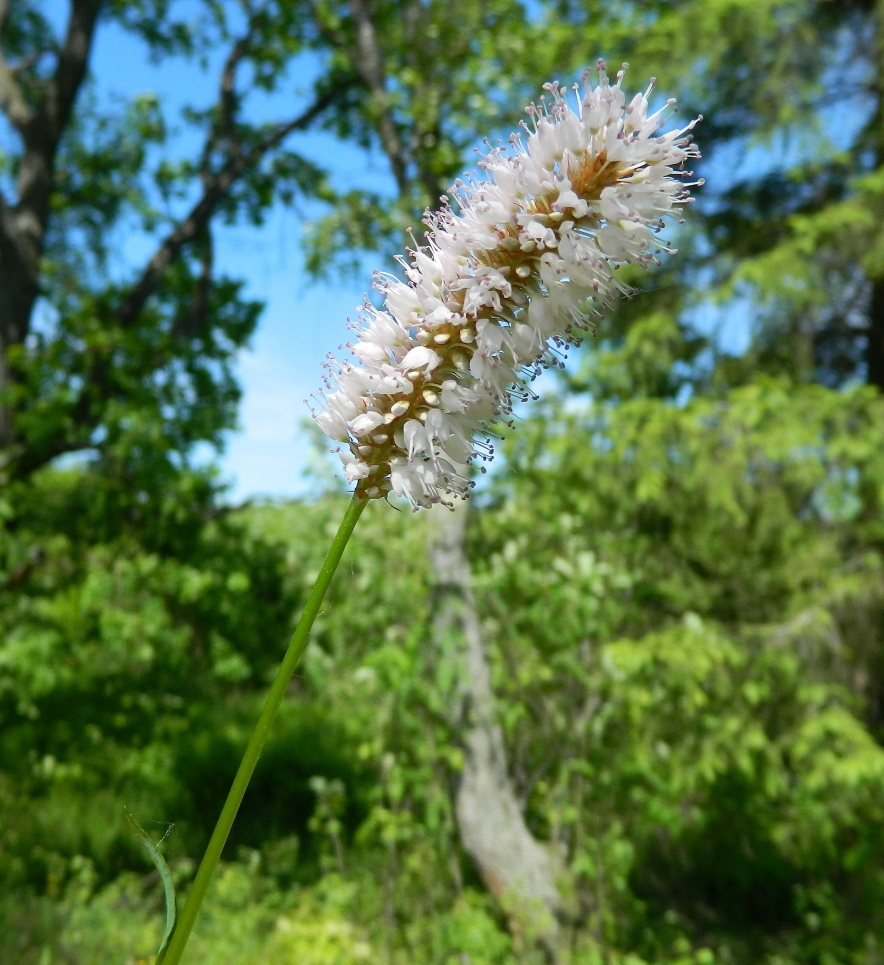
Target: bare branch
pixel 5 214
pixel 192 321
pixel 28 63
pixel 229 99
pixel 19 576
pixel 330 33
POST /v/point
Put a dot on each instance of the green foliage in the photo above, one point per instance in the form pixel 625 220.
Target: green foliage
pixel 683 604
pixel 699 765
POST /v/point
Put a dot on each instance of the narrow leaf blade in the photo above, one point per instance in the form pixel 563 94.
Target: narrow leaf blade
pixel 165 876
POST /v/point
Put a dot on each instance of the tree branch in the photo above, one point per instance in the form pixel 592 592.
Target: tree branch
pixel 12 101
pixel 19 576
pixel 46 125
pixel 192 320
pixel 371 68
pixel 332 36
pixel 216 188
pixel 519 872
pixel 41 129
pixel 5 215
pixel 228 102
pixel 73 61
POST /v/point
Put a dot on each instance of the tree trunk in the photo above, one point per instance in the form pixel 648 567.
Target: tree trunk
pixel 875 345
pixel 23 223
pixel 518 870
pixel 875 342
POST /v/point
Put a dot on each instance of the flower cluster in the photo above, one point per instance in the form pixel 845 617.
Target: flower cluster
pixel 516 267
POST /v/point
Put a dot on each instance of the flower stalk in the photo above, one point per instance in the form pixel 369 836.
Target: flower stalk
pixel 187 918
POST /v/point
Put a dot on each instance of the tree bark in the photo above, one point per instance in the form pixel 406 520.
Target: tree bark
pixel 518 871
pixel 875 344
pixel 875 330
pixel 23 224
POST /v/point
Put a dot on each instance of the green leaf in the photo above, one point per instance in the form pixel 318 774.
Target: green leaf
pixel 166 877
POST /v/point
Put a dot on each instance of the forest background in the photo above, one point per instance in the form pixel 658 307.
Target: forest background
pixel 656 643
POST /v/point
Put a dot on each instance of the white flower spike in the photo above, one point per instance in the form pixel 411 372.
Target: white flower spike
pixel 504 284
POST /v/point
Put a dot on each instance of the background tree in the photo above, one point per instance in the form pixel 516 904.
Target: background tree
pixel 122 574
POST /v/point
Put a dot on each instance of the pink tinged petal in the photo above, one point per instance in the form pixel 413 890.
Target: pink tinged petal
pixel 635 113
pixel 401 301
pixel 456 398
pixel 569 201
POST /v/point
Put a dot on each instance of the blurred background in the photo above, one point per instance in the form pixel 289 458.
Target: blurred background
pixel 641 719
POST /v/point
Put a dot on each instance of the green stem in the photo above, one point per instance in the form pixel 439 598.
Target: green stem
pixel 296 647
